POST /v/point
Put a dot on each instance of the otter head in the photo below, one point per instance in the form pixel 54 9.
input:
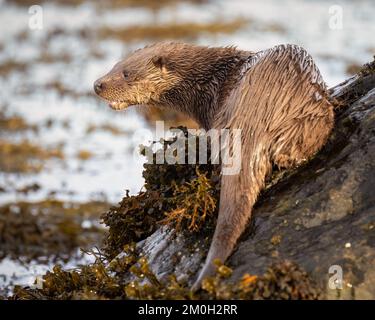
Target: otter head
pixel 184 77
pixel 140 79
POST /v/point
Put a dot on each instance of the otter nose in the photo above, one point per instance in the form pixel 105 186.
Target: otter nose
pixel 98 86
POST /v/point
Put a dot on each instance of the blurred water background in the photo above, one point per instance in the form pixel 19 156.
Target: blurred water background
pixel 60 144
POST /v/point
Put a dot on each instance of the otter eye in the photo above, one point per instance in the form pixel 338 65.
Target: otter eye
pixel 125 74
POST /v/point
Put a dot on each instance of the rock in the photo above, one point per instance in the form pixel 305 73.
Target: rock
pixel 318 216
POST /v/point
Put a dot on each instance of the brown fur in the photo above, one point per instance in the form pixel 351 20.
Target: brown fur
pixel 276 97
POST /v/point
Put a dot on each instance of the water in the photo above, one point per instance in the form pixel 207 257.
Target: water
pixel 58 65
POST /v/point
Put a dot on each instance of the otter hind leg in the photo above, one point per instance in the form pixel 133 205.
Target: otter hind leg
pixel 234 213
pixel 239 192
pixel 305 138
pixel 237 197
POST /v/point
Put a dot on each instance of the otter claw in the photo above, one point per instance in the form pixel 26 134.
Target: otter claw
pixel 207 271
pixel 196 286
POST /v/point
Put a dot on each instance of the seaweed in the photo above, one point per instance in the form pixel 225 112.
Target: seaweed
pixel 49 228
pixel 25 157
pixel 147 4
pixel 190 31
pixel 195 202
pixel 283 280
pixel 185 197
pixel 14 123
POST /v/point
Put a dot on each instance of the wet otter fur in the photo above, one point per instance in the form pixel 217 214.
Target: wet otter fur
pixel 276 97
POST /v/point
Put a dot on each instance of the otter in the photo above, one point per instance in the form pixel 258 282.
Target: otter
pixel 276 97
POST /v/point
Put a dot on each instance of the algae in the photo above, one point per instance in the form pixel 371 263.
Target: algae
pixel 49 228
pixel 147 4
pixel 283 280
pixel 185 197
pixel 25 156
pixel 188 31
pixel 14 123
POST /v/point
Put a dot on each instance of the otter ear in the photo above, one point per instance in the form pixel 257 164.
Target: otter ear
pixel 160 62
